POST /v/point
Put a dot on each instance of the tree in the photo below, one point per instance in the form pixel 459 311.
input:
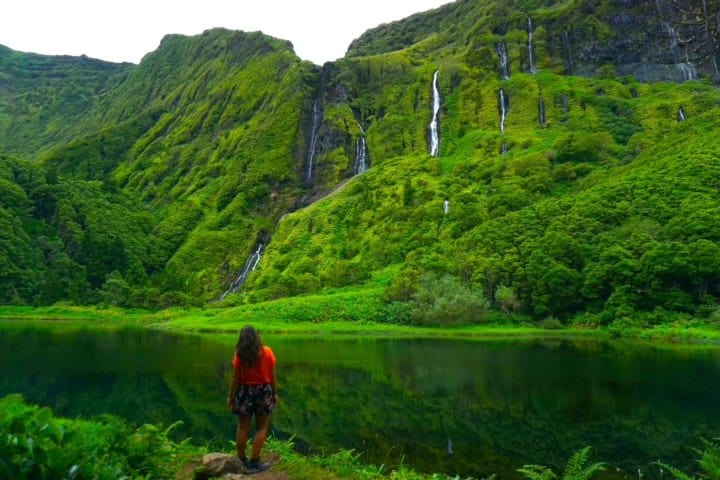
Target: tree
pixel 506 299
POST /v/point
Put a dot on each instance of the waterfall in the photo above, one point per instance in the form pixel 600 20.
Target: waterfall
pixel 567 54
pixel 446 206
pixel 250 265
pixel 687 71
pixel 361 157
pixel 541 112
pixel 531 53
pixel 362 130
pixel 686 68
pixel 502 104
pixel 434 134
pixel 680 115
pixel 501 49
pixel 564 103
pixel 316 119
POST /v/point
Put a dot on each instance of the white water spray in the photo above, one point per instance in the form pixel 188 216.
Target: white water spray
pixel 531 53
pixel 316 119
pixel 501 49
pixel 434 134
pixel 680 115
pixel 361 156
pixel 503 111
pixel 686 68
pixel 250 265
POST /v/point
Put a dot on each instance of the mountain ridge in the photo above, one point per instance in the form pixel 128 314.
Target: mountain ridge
pixel 216 143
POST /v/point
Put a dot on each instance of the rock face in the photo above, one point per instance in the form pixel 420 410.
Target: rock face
pixel 652 40
pixel 218 465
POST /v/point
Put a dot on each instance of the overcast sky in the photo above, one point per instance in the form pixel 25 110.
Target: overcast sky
pixel 125 30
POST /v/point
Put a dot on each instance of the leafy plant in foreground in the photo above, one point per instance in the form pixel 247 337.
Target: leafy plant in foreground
pixel 577 468
pixel 34 444
pixel 709 462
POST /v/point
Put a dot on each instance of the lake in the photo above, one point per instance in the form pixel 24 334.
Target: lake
pixel 467 407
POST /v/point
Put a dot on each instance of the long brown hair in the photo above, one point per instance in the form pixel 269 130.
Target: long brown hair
pixel 248 346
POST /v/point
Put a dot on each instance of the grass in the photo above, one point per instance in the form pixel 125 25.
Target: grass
pixel 681 334
pixel 278 317
pixel 74 313
pixel 340 313
pixel 345 464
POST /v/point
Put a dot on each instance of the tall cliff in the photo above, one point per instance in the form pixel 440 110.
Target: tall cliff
pixel 567 176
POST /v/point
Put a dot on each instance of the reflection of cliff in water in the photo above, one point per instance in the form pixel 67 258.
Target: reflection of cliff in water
pixel 496 405
pixel 503 405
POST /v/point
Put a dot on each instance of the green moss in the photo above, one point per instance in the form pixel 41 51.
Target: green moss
pixel 201 151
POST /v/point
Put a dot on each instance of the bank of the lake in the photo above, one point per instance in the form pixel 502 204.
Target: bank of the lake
pixel 44 445
pixel 284 317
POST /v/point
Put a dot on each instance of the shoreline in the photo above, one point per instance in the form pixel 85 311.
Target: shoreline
pixel 223 321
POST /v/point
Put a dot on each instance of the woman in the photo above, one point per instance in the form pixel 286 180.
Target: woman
pixel 253 392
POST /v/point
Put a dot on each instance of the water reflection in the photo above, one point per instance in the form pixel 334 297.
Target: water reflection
pixel 465 407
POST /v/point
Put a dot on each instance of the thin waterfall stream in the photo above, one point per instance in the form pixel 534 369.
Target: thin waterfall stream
pixel 531 53
pixel 315 128
pixel 250 265
pixel 361 157
pixel 501 49
pixel 434 122
pixel 502 106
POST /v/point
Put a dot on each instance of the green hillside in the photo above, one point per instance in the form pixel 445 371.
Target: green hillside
pixel 42 98
pixel 596 199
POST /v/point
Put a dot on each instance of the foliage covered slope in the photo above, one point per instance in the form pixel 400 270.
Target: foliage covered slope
pixel 200 142
pixel 42 97
pixel 603 203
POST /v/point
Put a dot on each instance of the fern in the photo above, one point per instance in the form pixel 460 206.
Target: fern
pixel 537 472
pixel 710 460
pixel 577 468
pixel 676 473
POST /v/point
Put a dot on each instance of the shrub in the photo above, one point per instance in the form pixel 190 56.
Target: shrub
pixel 551 323
pixel 34 444
pixel 445 301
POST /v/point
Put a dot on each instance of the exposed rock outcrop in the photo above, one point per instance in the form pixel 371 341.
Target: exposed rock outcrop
pixel 216 465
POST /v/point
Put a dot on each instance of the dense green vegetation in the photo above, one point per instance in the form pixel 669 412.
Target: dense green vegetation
pixel 34 444
pixel 42 98
pixel 153 189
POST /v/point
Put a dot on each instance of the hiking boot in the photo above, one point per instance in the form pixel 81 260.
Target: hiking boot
pixel 256 466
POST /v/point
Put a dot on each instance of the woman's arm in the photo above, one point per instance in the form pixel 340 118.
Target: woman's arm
pixel 273 382
pixel 233 385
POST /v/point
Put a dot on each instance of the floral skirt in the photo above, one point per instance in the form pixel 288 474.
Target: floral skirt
pixel 252 400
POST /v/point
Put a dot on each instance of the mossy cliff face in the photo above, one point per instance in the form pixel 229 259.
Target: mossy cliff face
pixel 650 40
pixel 214 143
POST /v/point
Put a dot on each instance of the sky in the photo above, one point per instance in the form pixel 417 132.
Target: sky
pixel 126 30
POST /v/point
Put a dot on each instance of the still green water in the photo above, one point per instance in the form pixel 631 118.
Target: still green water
pixel 455 406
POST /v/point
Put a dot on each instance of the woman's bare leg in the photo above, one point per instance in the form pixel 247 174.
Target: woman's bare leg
pixel 241 436
pixel 262 422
